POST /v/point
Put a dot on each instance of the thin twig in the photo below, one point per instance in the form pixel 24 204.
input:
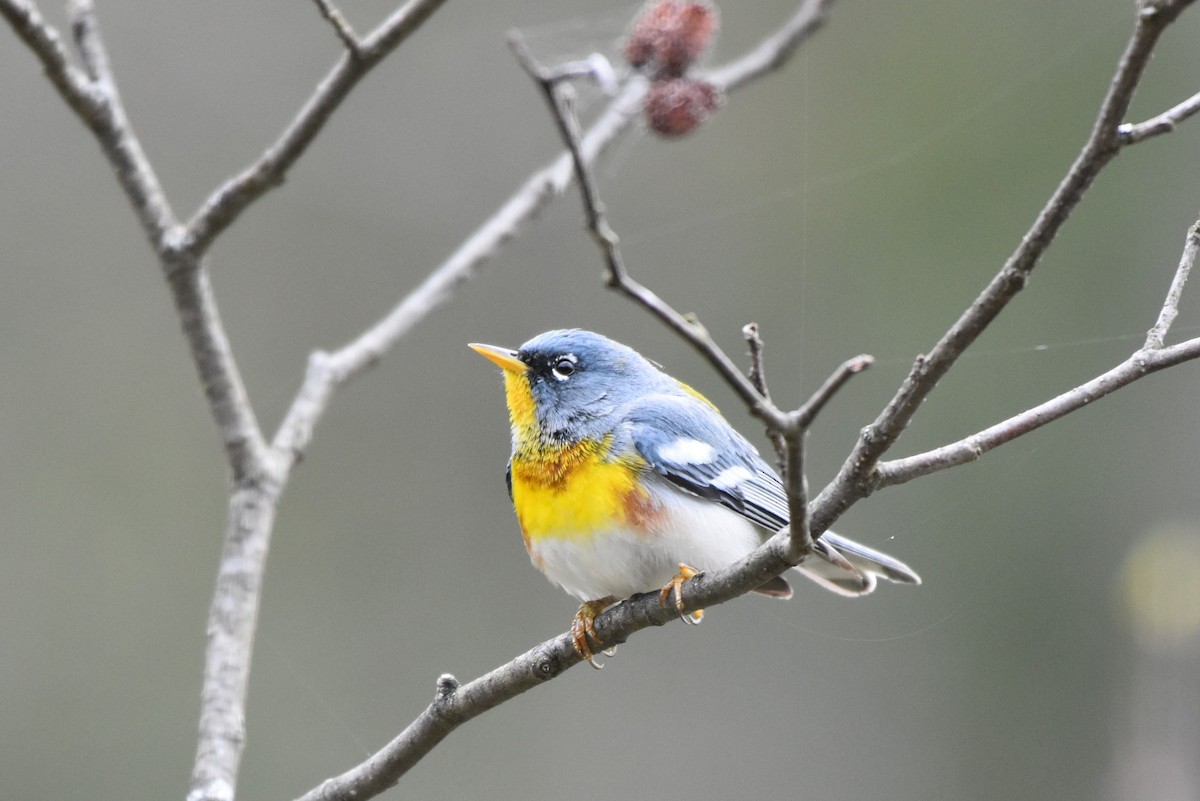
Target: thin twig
pixel 227 203
pixel 328 371
pixel 804 416
pixel 1139 365
pixel 798 424
pixel 1167 122
pixel 758 377
pixel 341 27
pixel 1170 308
pixel 1152 357
pixel 795 484
pixel 41 38
pixel 775 50
pixel 107 119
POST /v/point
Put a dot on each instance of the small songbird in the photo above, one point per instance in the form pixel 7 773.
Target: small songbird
pixel 626 480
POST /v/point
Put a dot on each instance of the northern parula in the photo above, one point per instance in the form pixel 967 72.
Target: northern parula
pixel 626 480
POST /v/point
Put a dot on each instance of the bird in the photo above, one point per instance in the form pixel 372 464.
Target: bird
pixel 626 480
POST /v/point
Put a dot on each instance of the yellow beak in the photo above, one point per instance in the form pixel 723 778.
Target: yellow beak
pixel 505 358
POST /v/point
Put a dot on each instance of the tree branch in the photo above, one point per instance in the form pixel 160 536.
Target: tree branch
pixel 1160 124
pixel 1157 334
pixel 31 27
pixel 342 28
pixel 1151 358
pixel 327 371
pixel 228 202
pixel 232 619
pixel 540 664
pixel 104 114
pixel 758 377
pixel 858 477
pixel 1141 364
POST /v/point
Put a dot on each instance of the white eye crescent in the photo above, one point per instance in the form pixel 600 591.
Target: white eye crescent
pixel 565 367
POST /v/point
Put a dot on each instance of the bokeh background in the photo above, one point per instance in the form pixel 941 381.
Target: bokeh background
pixel 854 202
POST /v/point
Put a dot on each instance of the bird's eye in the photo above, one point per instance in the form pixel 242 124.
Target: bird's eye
pixel 565 367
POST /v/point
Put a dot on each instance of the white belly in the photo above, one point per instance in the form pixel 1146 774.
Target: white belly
pixel 621 562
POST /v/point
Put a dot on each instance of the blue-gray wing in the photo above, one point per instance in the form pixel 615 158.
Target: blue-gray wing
pixel 691 445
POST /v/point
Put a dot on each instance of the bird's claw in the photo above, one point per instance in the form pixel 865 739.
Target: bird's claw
pixel 674 590
pixel 583 631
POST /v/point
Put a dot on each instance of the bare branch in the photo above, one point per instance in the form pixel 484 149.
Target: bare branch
pixel 1140 364
pixel 230 635
pixel 94 99
pixel 804 416
pixel 342 28
pixel 231 198
pixel 856 479
pixel 775 50
pixel 218 372
pixel 1170 308
pixel 540 664
pixel 757 372
pixel 1160 124
pixel 794 477
pixel 1152 357
pixel 32 28
pixel 795 484
pixel 687 327
pixel 758 377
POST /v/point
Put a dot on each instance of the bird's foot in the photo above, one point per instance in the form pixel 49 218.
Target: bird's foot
pixel 583 630
pixel 674 589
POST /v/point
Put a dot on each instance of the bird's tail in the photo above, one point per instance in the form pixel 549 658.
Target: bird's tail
pixel 850 568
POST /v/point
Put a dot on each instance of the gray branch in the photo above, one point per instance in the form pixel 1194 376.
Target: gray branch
pixel 858 476
pixel 1160 124
pixel 227 203
pixel 1150 358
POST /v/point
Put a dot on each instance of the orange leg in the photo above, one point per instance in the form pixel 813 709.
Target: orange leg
pixel 675 588
pixel 583 629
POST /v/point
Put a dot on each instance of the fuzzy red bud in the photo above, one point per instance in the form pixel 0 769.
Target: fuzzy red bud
pixel 668 35
pixel 678 106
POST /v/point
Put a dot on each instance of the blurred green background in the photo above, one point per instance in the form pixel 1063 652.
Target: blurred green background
pixel 854 202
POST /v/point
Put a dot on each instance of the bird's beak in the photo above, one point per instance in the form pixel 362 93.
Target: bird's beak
pixel 505 358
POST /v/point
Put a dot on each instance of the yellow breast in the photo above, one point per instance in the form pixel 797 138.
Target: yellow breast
pixel 570 491
pixel 575 491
